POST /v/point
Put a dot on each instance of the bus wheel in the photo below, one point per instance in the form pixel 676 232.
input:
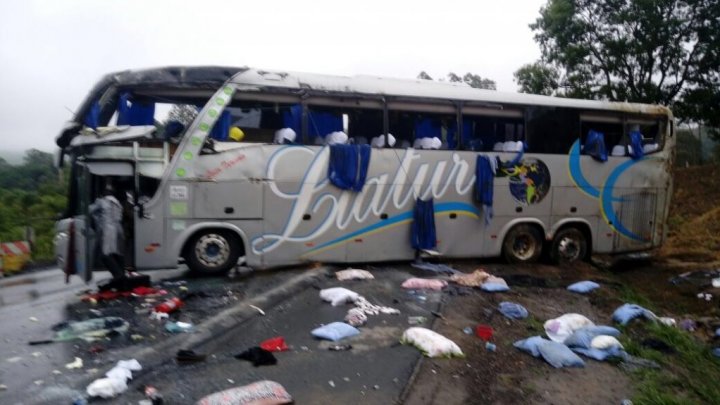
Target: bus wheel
pixel 523 244
pixel 568 245
pixel 213 252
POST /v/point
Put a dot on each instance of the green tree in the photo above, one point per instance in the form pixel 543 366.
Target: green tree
pixel 537 78
pixel 472 80
pixel 424 76
pixel 654 51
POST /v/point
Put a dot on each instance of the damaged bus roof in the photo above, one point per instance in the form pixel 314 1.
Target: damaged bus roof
pixel 251 80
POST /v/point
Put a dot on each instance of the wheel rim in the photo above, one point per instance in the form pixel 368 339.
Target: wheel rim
pixel 568 249
pixel 524 247
pixel 212 250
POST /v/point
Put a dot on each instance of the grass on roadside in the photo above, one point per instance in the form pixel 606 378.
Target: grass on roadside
pixel 688 376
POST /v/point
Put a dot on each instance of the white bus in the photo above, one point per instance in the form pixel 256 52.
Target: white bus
pixel 568 177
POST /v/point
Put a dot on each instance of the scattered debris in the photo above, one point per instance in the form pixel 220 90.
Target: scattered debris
pixel 331 383
pixel 178 327
pixel 90 330
pixel 484 332
pixel 491 347
pixel 495 284
pixel 115 381
pixel 416 320
pixel 266 391
pixel 335 331
pixel 354 274
pixel 158 316
pixel 339 348
pixel 512 310
pixel 78 363
pixel 556 354
pixel 169 306
pixel 32 318
pixel 356 317
pixel 437 268
pixel 189 356
pixel 338 296
pixel 153 395
pixel 371 309
pixel 260 311
pixel 424 284
pixel 667 321
pixel 687 325
pixel 257 356
pixel 562 327
pixel 474 279
pixel 467 330
pixel 276 344
pixel 13 359
pixel 431 343
pixel 583 287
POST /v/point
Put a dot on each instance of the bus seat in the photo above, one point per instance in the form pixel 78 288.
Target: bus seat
pixel 336 138
pixel 379 141
pixel 285 136
pixel 650 147
pixel 618 150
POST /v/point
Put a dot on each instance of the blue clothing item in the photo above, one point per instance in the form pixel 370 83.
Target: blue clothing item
pixel 513 310
pixel 484 185
pixel 134 112
pixel 627 312
pixel 556 354
pixel 595 146
pixel 467 136
pixel 92 118
pixel 583 287
pixel 423 225
pixel 583 337
pixel 335 331
pixel 494 287
pixel 636 144
pixel 292 118
pixel 348 165
pixel 222 127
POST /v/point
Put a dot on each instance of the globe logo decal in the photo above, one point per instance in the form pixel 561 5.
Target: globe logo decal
pixel 529 181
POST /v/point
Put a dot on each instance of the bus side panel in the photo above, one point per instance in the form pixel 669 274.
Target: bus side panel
pixel 152 250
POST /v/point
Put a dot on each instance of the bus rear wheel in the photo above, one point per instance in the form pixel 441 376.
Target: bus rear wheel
pixel 523 244
pixel 569 245
pixel 212 252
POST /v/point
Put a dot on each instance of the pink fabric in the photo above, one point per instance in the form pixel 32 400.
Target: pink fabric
pixel 424 284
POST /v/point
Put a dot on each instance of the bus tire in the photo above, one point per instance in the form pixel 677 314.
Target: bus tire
pixel 569 245
pixel 523 244
pixel 212 251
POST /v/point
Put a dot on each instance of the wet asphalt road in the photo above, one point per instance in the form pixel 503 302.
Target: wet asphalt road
pixel 376 370
pixel 29 305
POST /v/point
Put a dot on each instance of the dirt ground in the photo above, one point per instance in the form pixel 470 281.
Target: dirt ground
pixel 669 282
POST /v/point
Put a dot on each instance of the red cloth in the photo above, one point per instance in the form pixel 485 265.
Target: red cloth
pixel 276 344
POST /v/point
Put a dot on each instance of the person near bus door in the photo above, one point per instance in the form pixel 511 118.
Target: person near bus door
pixel 107 212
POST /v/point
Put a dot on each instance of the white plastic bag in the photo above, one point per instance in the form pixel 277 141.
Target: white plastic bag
pixel 338 295
pixel 562 327
pixel 431 343
pixel 604 342
pixel 116 380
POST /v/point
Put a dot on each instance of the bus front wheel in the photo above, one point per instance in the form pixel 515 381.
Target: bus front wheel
pixel 569 245
pixel 523 244
pixel 212 252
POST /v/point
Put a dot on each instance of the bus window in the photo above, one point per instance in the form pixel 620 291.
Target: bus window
pixel 257 121
pixel 363 125
pixel 652 133
pixel 612 130
pixel 551 130
pixel 423 130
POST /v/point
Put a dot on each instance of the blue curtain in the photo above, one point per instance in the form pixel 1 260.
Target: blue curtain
pixel 595 146
pixel 136 114
pixel 348 165
pixel 637 145
pixel 423 225
pixel 222 127
pixel 467 136
pixel 92 118
pixel 292 118
pixel 484 184
pixel 427 128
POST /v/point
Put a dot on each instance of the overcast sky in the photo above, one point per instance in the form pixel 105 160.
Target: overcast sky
pixel 52 52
